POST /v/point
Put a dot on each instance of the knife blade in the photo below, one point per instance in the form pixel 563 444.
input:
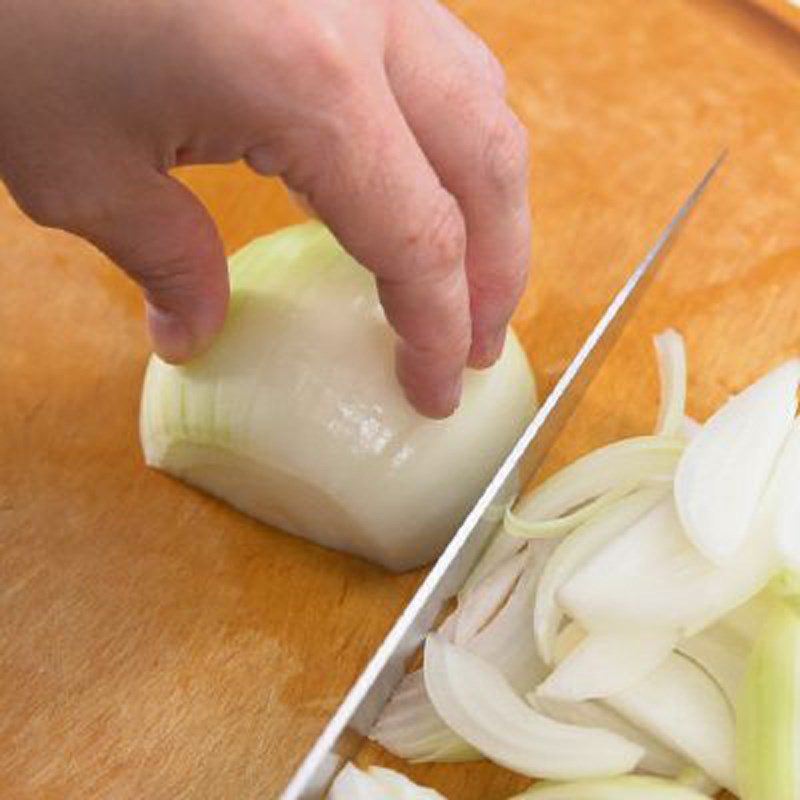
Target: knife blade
pixel 361 707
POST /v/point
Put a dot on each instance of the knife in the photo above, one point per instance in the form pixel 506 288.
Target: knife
pixel 347 728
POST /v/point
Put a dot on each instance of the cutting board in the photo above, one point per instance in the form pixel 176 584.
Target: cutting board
pixel 156 644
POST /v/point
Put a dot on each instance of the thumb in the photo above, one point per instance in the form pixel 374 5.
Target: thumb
pixel 161 235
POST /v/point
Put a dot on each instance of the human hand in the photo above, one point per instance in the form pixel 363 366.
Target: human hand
pixel 388 117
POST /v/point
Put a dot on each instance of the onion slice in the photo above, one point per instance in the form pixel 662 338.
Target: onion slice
pixel 477 702
pixel 607 663
pixel 787 509
pixel 409 726
pixel 683 707
pixel 477 607
pixel 573 552
pixel 377 783
pixel 658 759
pixel 651 576
pixel 671 353
pixel 623 465
pixel 725 469
pixel 722 654
pixel 769 711
pixel 628 787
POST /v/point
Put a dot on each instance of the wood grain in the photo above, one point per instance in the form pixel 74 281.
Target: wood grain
pixel 155 644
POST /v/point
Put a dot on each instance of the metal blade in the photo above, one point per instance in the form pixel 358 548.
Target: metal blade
pixel 344 734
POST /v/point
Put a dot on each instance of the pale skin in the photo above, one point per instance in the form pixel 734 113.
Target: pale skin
pixel 389 117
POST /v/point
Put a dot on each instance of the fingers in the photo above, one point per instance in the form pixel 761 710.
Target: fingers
pixel 161 235
pixel 370 182
pixel 450 92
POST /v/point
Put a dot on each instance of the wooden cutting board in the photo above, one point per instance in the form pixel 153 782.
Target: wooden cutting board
pixel 154 643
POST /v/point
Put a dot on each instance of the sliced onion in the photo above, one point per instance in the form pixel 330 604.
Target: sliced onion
pixel 377 783
pixel 769 711
pixel 619 466
pixel 607 663
pixel 478 703
pixel 409 726
pixel 516 525
pixel 628 787
pixel 501 547
pixel 722 654
pixel 400 787
pixel 787 510
pixel 477 607
pixel 574 551
pixel 671 352
pixel 723 473
pixel 651 576
pixel 657 760
pixel 682 706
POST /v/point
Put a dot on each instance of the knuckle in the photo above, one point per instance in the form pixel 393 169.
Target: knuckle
pixel 327 56
pixel 442 242
pixel 506 155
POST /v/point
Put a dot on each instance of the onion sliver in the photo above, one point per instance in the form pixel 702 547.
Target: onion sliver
pixel 477 607
pixel 377 783
pixel 682 706
pixel 722 654
pixel 608 662
pixel 618 466
pixel 651 576
pixel 658 759
pixel 787 502
pixel 724 471
pixel 409 726
pixel 671 352
pixel 476 701
pixel 516 525
pixel 628 787
pixel 574 551
pixel 769 711
pixel 294 415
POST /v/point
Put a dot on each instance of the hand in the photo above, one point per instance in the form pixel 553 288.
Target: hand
pixel 389 117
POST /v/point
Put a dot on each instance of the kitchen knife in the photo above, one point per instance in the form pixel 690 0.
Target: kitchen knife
pixel 346 730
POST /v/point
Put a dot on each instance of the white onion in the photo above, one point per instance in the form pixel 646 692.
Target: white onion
pixel 628 787
pixel 295 416
pixel 682 706
pixel 671 352
pixel 723 473
pixel 476 701
pixel 377 783
pixel 608 662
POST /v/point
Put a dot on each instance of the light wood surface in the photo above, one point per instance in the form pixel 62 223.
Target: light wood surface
pixel 155 644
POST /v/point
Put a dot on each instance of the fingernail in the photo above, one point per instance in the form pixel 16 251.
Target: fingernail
pixel 171 337
pixel 449 398
pixel 486 350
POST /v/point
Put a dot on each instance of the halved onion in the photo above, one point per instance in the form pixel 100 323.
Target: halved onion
pixel 295 417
